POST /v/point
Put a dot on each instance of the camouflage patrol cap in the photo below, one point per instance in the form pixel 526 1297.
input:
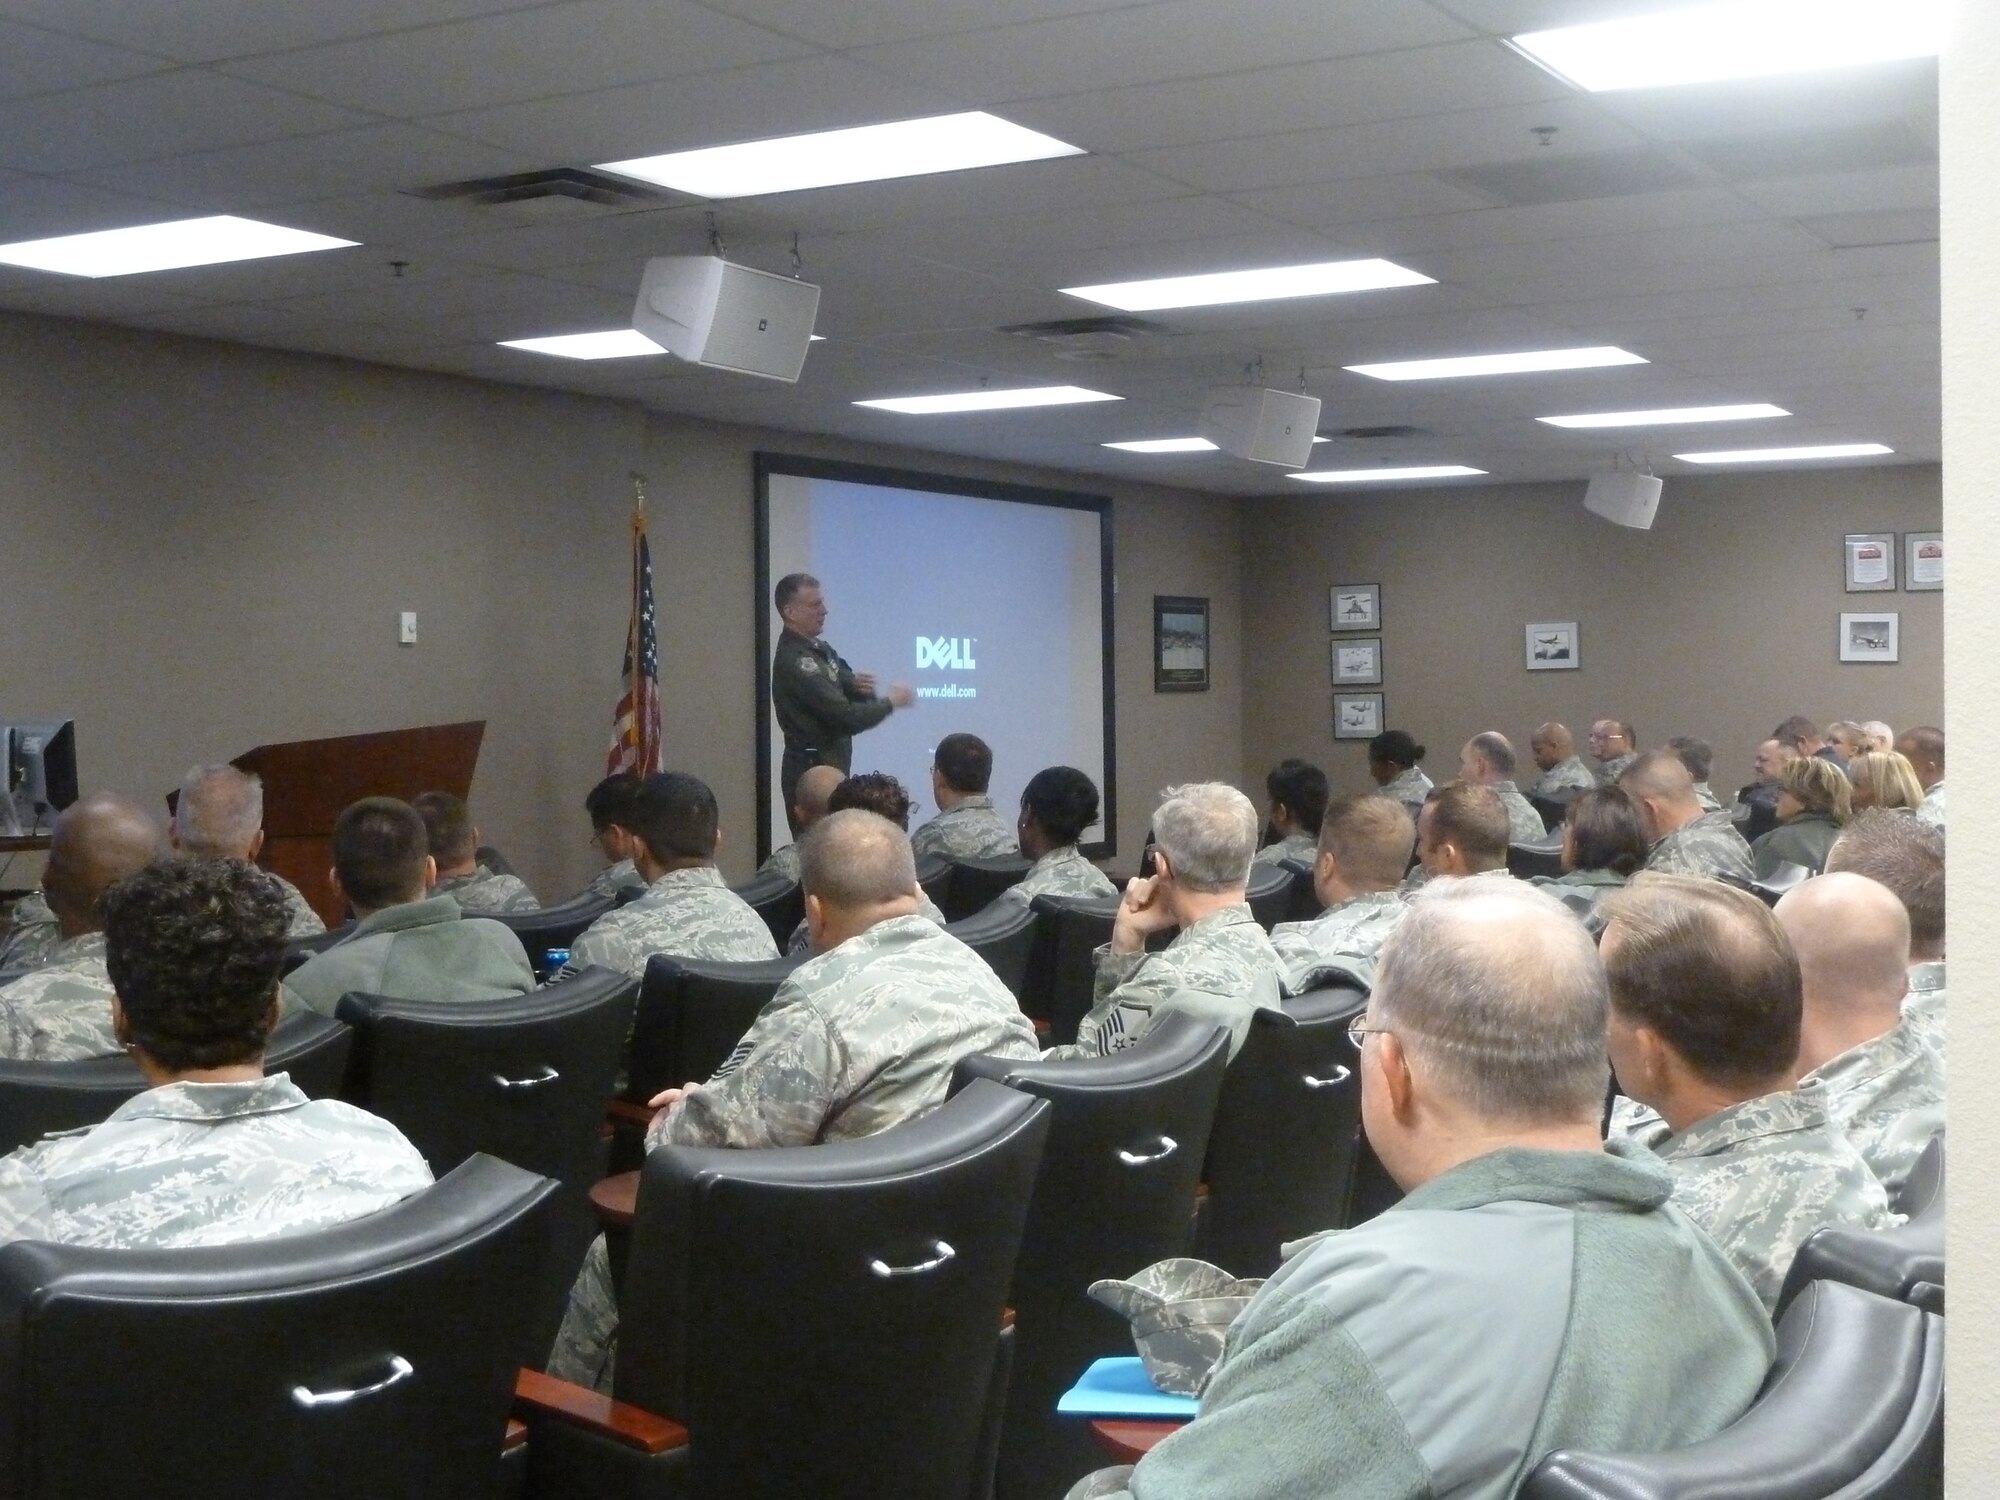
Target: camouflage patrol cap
pixel 1180 1311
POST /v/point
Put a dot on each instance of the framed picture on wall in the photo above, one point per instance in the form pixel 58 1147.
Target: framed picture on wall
pixel 1869 635
pixel 1923 560
pixel 1869 558
pixel 1357 716
pixel 1356 606
pixel 1357 662
pixel 1180 644
pixel 1553 646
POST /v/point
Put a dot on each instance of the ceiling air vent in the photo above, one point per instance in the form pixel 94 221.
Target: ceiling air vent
pixel 1393 430
pixel 557 193
pixel 1089 339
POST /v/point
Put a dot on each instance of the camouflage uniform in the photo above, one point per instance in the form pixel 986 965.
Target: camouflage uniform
pixel 785 862
pixel 609 881
pixel 1344 938
pixel 1060 872
pixel 971 830
pixel 1762 1175
pixel 801 939
pixel 1580 891
pixel 1888 1096
pixel 1570 775
pixel 1931 810
pixel 856 1041
pixel 1303 846
pixel 1610 770
pixel 1923 1007
pixel 690 913
pixel 32 933
pixel 1705 795
pixel 61 1012
pixel 207 1164
pixel 1409 788
pixel 1223 968
pixel 1524 824
pixel 483 891
pixel 1710 845
pixel 420 950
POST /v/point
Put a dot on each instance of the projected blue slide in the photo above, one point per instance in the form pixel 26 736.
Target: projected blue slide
pixel 989 603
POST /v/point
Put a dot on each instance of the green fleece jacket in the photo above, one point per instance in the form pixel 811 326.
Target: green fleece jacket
pixel 1523 1302
pixel 422 950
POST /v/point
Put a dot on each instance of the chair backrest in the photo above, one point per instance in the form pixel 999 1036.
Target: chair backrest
pixel 692 1013
pixel 556 927
pixel 1852 1410
pixel 1889 1262
pixel 934 875
pixel 1554 808
pixel 299 949
pixel 1281 1156
pixel 975 882
pixel 1926 1180
pixel 38 1098
pixel 1304 904
pixel 1005 937
pixel 1787 877
pixel 778 899
pixel 1544 857
pixel 495 861
pixel 825 1319
pixel 1269 894
pixel 116 1365
pixel 1063 967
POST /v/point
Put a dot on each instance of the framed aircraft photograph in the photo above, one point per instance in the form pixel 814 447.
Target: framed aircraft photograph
pixel 1357 663
pixel 1870 636
pixel 1553 646
pixel 1356 606
pixel 1357 716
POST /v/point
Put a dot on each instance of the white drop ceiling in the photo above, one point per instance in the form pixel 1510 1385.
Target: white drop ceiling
pixel 1773 240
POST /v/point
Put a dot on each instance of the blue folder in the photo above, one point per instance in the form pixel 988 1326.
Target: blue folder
pixel 1120 1388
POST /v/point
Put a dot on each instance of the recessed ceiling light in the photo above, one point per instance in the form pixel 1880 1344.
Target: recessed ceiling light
pixel 1782 455
pixel 1500 364
pixel 861 153
pixel 1366 476
pixel 1034 395
pixel 616 343
pixel 1267 284
pixel 164 247
pixel 1743 39
pixel 1166 445
pixel 1669 416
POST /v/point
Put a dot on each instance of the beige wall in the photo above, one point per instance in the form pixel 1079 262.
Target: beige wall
pixel 1718 622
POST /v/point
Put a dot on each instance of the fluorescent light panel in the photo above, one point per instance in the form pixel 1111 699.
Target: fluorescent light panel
pixel 1743 39
pixel 861 153
pixel 615 343
pixel 1321 279
pixel 1669 416
pixel 1367 476
pixel 164 247
pixel 1782 455
pixel 1034 395
pixel 1499 364
pixel 1165 445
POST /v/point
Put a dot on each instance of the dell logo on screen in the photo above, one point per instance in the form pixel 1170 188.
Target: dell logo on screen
pixel 952 652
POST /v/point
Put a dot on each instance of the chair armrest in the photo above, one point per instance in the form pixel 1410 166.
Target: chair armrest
pixel 616 1199
pixel 626 1112
pixel 517 1434
pixel 536 1394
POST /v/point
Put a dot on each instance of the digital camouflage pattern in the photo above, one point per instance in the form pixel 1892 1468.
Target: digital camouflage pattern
pixel 1887 1095
pixel 207 1164
pixel 1931 810
pixel 971 830
pixel 420 950
pixel 1060 872
pixel 1409 788
pixel 1343 939
pixel 32 932
pixel 784 861
pixel 1303 846
pixel 1705 795
pixel 1570 775
pixel 1710 845
pixel 1923 1007
pixel 801 939
pixel 1223 968
pixel 689 913
pixel 61 1012
pixel 1610 770
pixel 1524 824
pixel 609 881
pixel 1180 1311
pixel 483 891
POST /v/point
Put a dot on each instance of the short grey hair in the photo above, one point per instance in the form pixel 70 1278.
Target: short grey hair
pixel 1208 829
pixel 1495 990
pixel 856 858
pixel 218 812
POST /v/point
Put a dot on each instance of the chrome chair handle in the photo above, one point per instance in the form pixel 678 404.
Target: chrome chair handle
pixel 547 1075
pixel 400 1370
pixel 944 1253
pixel 1168 1146
pixel 1340 1075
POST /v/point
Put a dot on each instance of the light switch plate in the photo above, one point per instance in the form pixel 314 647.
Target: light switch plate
pixel 406 629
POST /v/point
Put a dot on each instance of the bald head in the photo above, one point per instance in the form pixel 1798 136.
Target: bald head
pixel 809 798
pixel 855 860
pixel 96 843
pixel 1552 744
pixel 1486 758
pixel 1660 784
pixel 1852 937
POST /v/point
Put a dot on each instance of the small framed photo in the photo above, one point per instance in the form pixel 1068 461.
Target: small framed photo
pixel 1357 662
pixel 1553 646
pixel 1357 716
pixel 1869 558
pixel 1923 560
pixel 1180 644
pixel 1357 606
pixel 1869 635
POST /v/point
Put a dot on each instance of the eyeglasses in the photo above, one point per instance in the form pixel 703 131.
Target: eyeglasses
pixel 1359 1034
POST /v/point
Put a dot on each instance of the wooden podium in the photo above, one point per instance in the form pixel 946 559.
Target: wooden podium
pixel 308 782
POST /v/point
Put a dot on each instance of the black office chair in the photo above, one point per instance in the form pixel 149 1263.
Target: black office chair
pixel 1304 904
pixel 934 876
pixel 975 882
pixel 1126 1138
pixel 692 1013
pixel 1906 1262
pixel 1005 937
pixel 1554 808
pixel 39 1098
pixel 1754 818
pixel 556 927
pixel 1269 894
pixel 1545 857
pixel 1786 878
pixel 495 861
pixel 1062 968
pixel 377 1357
pixel 299 949
pixel 823 1319
pixel 779 900
pixel 1281 1156
pixel 1852 1410
pixel 1925 1184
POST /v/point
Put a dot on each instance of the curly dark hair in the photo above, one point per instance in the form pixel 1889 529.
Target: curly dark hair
pixel 876 792
pixel 194 947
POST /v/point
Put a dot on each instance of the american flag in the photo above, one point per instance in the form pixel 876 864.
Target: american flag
pixel 635 723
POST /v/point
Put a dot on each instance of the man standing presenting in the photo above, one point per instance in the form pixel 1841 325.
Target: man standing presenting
pixel 821 702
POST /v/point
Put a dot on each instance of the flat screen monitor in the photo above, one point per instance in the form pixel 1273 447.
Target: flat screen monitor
pixel 41 768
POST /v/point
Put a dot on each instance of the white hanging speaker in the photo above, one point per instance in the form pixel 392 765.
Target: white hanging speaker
pixel 1630 499
pixel 1266 427
pixel 728 317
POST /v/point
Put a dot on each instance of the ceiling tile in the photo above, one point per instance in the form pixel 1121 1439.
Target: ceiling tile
pixel 34 61
pixel 1887 189
pixel 844 26
pixel 33 208
pixel 1363 200
pixel 208 30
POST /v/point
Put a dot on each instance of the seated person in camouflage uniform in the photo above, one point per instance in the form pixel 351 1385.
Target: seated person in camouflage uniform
pixel 1884 1083
pixel 1535 1290
pixel 1604 845
pixel 1364 848
pixel 1923 748
pixel 1393 758
pixel 1699 759
pixel 214 1152
pixel 1487 760
pixel 1221 966
pixel 1704 1032
pixel 882 794
pixel 1907 856
pixel 1613 742
pixel 966 826
pixel 1057 805
pixel 860 1039
pixel 610 808
pixel 61 1011
pixel 1563 770
pixel 809 805
pixel 1463 830
pixel 406 942
pixel 1684 840
pixel 454 846
pixel 1297 791
pixel 687 910
pixel 1812 806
